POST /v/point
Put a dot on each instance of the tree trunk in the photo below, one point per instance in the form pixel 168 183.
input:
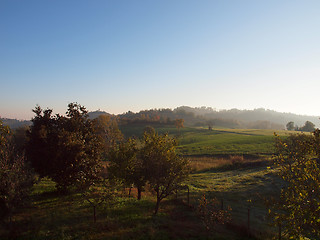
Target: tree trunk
pixel 139 193
pixel 157 206
pixel 130 191
pixel 188 195
pixel 94 214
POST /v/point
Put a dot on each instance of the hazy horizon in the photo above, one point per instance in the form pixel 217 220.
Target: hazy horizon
pixel 131 56
pixel 102 110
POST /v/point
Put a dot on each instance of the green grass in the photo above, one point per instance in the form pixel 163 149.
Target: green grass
pixel 233 178
pixel 240 189
pixel 201 141
pixel 226 141
pixel 52 216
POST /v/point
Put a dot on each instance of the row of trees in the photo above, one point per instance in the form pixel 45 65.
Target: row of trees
pixel 307 127
pixel 74 151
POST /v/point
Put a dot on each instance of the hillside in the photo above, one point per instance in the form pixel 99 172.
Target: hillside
pixel 202 116
pixel 14 123
pixel 234 118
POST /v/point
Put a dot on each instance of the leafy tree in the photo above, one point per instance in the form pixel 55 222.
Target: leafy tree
pixel 98 192
pixel 179 124
pixel 4 137
pixel 64 148
pixel 149 129
pixel 308 127
pixel 298 207
pixel 108 129
pixel 290 126
pixel 211 213
pixel 16 178
pixel 164 169
pixel 126 165
pixel 210 124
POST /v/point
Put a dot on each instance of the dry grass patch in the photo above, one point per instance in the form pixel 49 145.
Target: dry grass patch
pixel 203 163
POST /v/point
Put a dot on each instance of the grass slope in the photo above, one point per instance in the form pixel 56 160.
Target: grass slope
pixel 228 141
pixel 201 141
pixel 50 216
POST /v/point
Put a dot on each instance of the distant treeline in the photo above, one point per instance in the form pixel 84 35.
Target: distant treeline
pixel 14 123
pixel 201 116
pixel 206 116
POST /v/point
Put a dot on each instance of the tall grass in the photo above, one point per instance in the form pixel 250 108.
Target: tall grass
pixel 203 163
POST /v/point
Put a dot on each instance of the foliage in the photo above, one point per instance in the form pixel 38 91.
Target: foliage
pixel 308 127
pixel 126 166
pixel 98 192
pixel 179 123
pixel 211 213
pixel 108 129
pixel 4 137
pixel 20 138
pixel 16 178
pixel 165 170
pixel 290 126
pixel 65 148
pixel 298 208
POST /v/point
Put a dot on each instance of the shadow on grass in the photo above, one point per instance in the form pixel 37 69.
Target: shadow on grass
pixel 240 166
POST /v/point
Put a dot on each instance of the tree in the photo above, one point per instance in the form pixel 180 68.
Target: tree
pixel 179 124
pixel 98 192
pixel 4 137
pixel 211 213
pixel 290 126
pixel 108 129
pixel 16 178
pixel 298 207
pixel 164 169
pixel 64 148
pixel 210 124
pixel 126 165
pixel 308 127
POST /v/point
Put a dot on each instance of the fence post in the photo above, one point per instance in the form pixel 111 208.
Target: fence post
pixel 279 231
pixel 188 195
pixel 249 220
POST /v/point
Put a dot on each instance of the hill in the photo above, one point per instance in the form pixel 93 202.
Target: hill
pixel 205 116
pixel 14 123
pixel 201 116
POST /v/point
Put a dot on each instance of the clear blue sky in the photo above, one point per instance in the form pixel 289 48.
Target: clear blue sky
pixel 133 55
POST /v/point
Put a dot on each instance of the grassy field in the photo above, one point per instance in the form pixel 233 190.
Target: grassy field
pixel 242 185
pixel 235 181
pixel 50 216
pixel 228 141
pixel 223 167
pixel 201 141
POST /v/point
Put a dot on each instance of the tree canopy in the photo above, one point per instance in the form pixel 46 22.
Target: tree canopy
pixel 16 177
pixel 298 207
pixel 165 170
pixel 290 126
pixel 126 165
pixel 64 148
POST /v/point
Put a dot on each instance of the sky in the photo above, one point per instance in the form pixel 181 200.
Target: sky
pixel 126 55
